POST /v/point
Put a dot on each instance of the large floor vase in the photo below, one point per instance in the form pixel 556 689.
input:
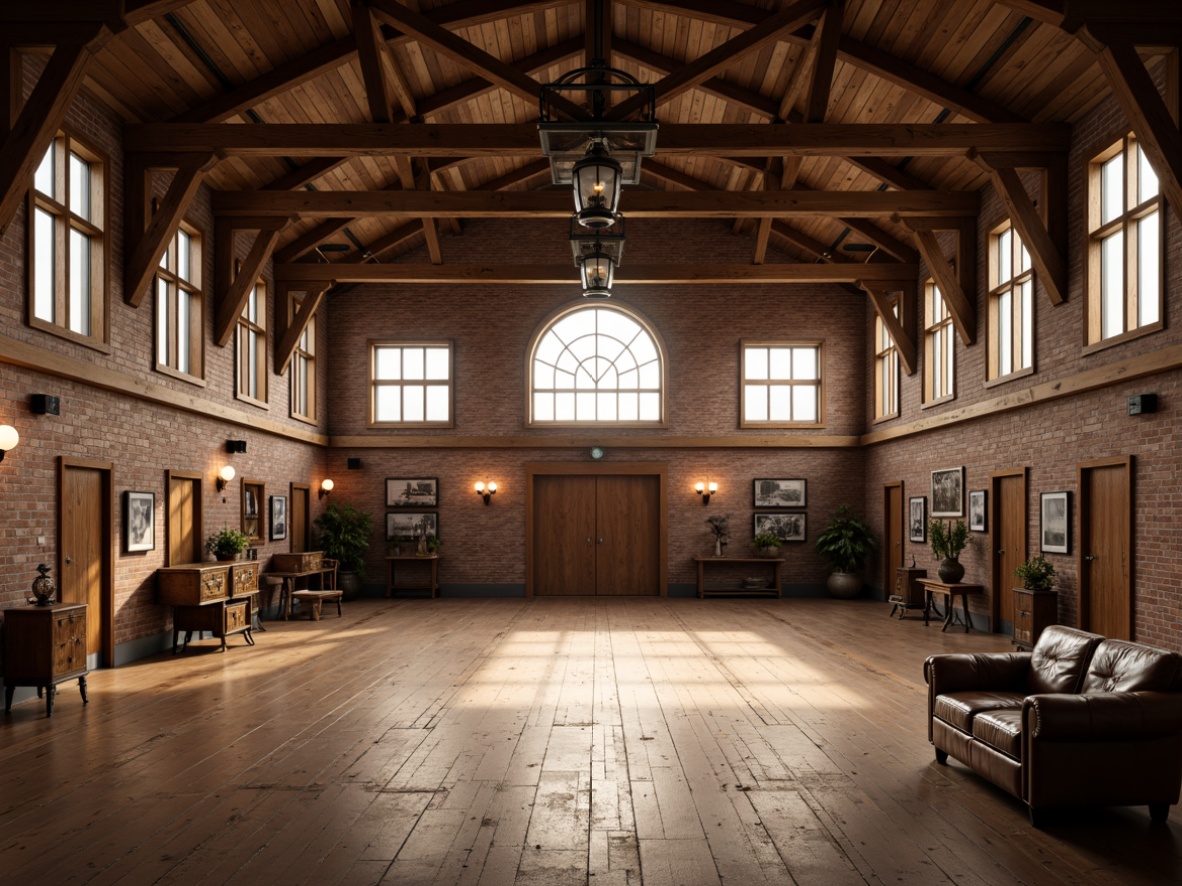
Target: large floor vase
pixel 844 585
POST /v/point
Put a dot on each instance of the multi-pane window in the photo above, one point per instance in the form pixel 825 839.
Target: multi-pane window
pixel 68 270
pixel 596 365
pixel 1011 304
pixel 252 346
pixel 1124 243
pixel 411 384
pixel 938 346
pixel 179 306
pixel 886 370
pixel 781 384
pixel 303 369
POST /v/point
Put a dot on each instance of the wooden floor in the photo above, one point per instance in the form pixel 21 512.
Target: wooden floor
pixel 602 741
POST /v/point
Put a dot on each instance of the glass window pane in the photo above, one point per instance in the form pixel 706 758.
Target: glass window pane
pixel 184 245
pixel 629 406
pixel 250 309
pixel 650 376
pixel 780 403
pixel 804 403
pixel 937 358
pixel 583 347
pixel 1027 295
pixel 182 331
pixel 252 363
pixel 643 349
pixel 549 348
pixel 650 407
pixel 543 407
pixel 1023 256
pixel 44 269
pixel 585 406
pixel 630 379
pixel 1112 188
pixel 437 364
pixel 79 311
pixel 543 376
pixel 162 322
pixel 413 363
pixel 583 379
pixel 1112 288
pixel 412 403
pixel 1148 282
pixel 564 407
pixel 1004 253
pixel 949 358
pixel 780 363
pixel 804 363
pixel 388 403
pixel 388 363
pixel 43 178
pixel 615 325
pixel 79 186
pixel 567 362
pixel 605 404
pixel 755 402
pixel 303 377
pixel 437 403
pixel 1005 326
pixel 1147 184
pixel 755 363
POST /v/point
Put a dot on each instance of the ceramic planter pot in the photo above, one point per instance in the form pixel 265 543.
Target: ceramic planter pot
pixel 844 585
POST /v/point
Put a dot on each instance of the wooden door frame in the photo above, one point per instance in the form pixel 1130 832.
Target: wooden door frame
pixel 307 488
pixel 995 533
pixel 107 616
pixel 904 535
pixel 1082 507
pixel 660 470
pixel 199 510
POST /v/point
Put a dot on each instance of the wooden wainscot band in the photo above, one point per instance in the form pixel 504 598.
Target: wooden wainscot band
pixel 705 590
pixel 44 646
pixel 950 592
pixel 214 597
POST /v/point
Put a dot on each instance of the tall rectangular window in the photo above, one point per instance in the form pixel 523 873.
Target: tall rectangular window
pixel 1124 245
pixel 886 370
pixel 782 385
pixel 67 243
pixel 252 346
pixel 1011 305
pixel 303 368
pixel 939 349
pixel 411 384
pixel 180 325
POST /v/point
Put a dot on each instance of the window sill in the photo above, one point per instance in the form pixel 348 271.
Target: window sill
pixel 781 425
pixel 881 418
pixel 306 419
pixel 182 376
pixel 947 398
pixel 77 338
pixel 1013 376
pixel 1131 335
pixel 590 425
pixel 261 404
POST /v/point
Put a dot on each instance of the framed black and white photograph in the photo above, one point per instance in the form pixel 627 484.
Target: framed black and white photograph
pixel 917 519
pixel 139 522
pixel 780 493
pixel 948 492
pixel 1055 522
pixel 408 525
pixel 278 517
pixel 421 492
pixel 786 527
pixel 977 511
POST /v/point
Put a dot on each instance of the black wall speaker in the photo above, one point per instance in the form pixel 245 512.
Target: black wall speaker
pixel 235 446
pixel 44 404
pixel 1143 404
pixel 354 464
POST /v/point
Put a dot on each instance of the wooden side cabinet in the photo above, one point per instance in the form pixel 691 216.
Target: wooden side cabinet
pixel 214 597
pixel 44 646
pixel 909 593
pixel 1033 611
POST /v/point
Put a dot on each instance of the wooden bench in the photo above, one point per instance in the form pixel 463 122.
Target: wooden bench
pixel 315 600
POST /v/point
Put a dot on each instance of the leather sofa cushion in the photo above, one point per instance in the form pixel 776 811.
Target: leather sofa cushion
pixel 1001 730
pixel 1121 666
pixel 1059 658
pixel 959 708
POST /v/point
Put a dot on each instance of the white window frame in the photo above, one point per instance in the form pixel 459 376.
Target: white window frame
pixel 412 387
pixel 251 341
pixel 1012 321
pixel 180 308
pixel 939 351
pixel 748 386
pixel 886 370
pixel 301 369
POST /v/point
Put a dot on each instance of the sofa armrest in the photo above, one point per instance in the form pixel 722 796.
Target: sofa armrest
pixel 1107 716
pixel 963 671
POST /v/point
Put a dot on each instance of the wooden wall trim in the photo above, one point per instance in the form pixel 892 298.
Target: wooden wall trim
pixel 586 441
pixel 29 356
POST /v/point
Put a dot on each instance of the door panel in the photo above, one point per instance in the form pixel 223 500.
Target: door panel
pixel 564 535
pixel 1009 538
pixel 892 542
pixel 628 522
pixel 83 540
pixel 184 521
pixel 1106 550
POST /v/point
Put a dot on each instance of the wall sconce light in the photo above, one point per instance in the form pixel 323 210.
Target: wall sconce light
pixel 326 486
pixel 225 475
pixel 486 492
pixel 706 490
pixel 8 439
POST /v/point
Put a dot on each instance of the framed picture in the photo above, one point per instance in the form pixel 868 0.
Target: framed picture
pixel 1055 522
pixel 405 525
pixel 278 517
pixel 139 521
pixel 917 519
pixel 948 492
pixel 977 511
pixel 780 493
pixel 421 492
pixel 786 527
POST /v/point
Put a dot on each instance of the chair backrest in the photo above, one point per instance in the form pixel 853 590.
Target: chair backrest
pixel 1121 666
pixel 334 565
pixel 1060 659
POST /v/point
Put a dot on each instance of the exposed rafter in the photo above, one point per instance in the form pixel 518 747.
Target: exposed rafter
pixel 232 285
pixel 880 295
pixel 285 344
pixel 956 281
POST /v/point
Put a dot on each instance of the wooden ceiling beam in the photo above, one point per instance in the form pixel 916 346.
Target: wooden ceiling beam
pixel 828 34
pixel 500 139
pixel 285 345
pixel 305 174
pixel 367 35
pixel 889 174
pixel 880 298
pixel 309 240
pixel 231 299
pixel 880 238
pixel 1048 11
pixel 136 12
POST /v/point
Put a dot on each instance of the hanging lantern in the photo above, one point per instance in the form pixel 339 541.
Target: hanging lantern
pixel 597 188
pixel 597 270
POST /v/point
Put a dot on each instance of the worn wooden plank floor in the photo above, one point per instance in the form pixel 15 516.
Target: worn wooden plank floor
pixel 600 741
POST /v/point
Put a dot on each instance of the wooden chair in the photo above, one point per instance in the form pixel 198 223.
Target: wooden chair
pixel 330 578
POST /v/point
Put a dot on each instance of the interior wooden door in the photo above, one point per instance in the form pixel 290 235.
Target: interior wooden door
pixel 298 524
pixel 565 542
pixel 1106 548
pixel 894 524
pixel 1009 532
pixel 184 519
pixel 627 536
pixel 86 544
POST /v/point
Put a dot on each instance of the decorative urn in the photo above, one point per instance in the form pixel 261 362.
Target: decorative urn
pixel 43 587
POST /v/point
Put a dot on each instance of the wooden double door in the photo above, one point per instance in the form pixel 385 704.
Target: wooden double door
pixel 597 535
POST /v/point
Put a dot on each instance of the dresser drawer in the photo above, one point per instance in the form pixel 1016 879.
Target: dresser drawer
pixel 69 642
pixel 244 578
pixel 193 585
pixel 237 617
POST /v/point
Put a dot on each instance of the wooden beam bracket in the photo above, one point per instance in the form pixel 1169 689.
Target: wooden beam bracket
pixel 231 289
pixel 904 341
pixel 285 345
pixel 956 284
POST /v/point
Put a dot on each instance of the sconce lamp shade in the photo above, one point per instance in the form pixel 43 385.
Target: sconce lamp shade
pixel 597 180
pixel 225 475
pixel 486 490
pixel 8 438
pixel 326 486
pixel 705 490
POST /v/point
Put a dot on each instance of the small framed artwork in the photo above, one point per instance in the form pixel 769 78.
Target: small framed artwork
pixel 406 525
pixel 780 493
pixel 278 517
pixel 139 522
pixel 1055 522
pixel 917 519
pixel 421 492
pixel 977 511
pixel 948 492
pixel 786 527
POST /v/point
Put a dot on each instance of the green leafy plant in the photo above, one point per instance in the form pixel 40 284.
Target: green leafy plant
pixel 846 541
pixel 948 539
pixel 344 536
pixel 766 540
pixel 433 544
pixel 226 543
pixel 1037 574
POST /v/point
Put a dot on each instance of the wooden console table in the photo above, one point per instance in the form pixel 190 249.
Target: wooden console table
pixel 950 592
pixel 720 589
pixel 391 584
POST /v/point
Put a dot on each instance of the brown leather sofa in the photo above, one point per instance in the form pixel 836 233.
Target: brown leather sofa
pixel 1081 720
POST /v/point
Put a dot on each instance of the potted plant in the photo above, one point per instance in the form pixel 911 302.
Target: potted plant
pixel 948 540
pixel 433 544
pixel 766 544
pixel 344 536
pixel 845 543
pixel 1037 574
pixel 226 544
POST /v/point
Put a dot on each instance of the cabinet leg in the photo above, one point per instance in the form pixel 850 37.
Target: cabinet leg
pixel 82 689
pixel 8 693
pixel 50 693
pixel 965 600
pixel 249 638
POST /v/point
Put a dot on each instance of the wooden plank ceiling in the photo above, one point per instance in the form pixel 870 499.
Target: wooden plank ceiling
pixel 1009 69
